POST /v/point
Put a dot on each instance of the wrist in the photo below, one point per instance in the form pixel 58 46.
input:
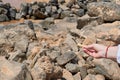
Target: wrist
pixel 112 52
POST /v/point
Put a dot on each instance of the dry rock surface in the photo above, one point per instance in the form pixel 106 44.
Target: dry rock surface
pixel 46 48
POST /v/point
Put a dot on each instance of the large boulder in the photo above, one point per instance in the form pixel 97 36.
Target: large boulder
pixel 107 10
pixel 10 70
pixel 108 68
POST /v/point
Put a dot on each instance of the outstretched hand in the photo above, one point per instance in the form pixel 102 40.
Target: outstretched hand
pixel 95 50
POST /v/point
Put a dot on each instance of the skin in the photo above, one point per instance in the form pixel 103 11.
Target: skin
pixel 98 51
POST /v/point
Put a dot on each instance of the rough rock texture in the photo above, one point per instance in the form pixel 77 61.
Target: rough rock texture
pixel 107 10
pixel 10 70
pixel 48 49
pixel 111 72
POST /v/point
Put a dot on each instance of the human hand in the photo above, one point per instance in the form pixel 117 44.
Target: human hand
pixel 95 50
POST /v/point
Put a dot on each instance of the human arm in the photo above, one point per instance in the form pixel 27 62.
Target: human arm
pixel 99 51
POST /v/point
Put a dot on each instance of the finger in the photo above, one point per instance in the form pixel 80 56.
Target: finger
pixel 89 46
pixel 90 50
pixel 94 54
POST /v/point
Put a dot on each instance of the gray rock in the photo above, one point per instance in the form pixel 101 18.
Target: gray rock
pixel 12 13
pixel 38 73
pixel 17 56
pixel 46 24
pixel 107 10
pixel 53 55
pixel 73 68
pixel 108 68
pixel 82 5
pixel 2 26
pixel 22 44
pixel 3 17
pixel 70 19
pixel 18 16
pixel 24 9
pixel 3 11
pixel 66 57
pixel 48 10
pixel 66 14
pixel 10 70
pixel 69 40
pixel 83 71
pixel 87 21
pixel 80 12
pixel 4 53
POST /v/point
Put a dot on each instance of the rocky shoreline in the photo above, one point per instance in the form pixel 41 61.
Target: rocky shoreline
pixel 48 50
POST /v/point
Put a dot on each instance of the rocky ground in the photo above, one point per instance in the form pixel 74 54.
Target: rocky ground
pixel 47 48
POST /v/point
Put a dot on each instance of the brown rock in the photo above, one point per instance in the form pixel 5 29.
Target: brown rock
pixel 10 70
pixel 107 10
pixel 67 75
pixel 44 65
pixel 77 76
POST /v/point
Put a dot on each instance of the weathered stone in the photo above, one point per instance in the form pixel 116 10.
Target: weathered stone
pixel 53 55
pixel 22 44
pixel 3 17
pixel 38 73
pixel 17 56
pixel 107 10
pixel 10 70
pixel 99 77
pixel 70 3
pixel 87 21
pixel 108 68
pixel 66 57
pixel 79 12
pixel 94 77
pixel 73 68
pixel 69 40
pixel 18 16
pixel 67 75
pixel 77 76
pixel 24 9
pixel 83 71
pixel 70 19
pixel 13 13
pixel 61 1
pixel 47 23
pixel 65 14
pixel 82 5
pixel 52 72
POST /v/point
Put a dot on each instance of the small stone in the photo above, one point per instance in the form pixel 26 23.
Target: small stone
pixel 67 75
pixel 3 17
pixel 80 12
pixel 99 77
pixel 61 1
pixel 47 23
pixel 18 16
pixel 53 55
pixel 13 13
pixel 65 14
pixel 66 57
pixel 77 76
pixel 83 71
pixel 73 68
